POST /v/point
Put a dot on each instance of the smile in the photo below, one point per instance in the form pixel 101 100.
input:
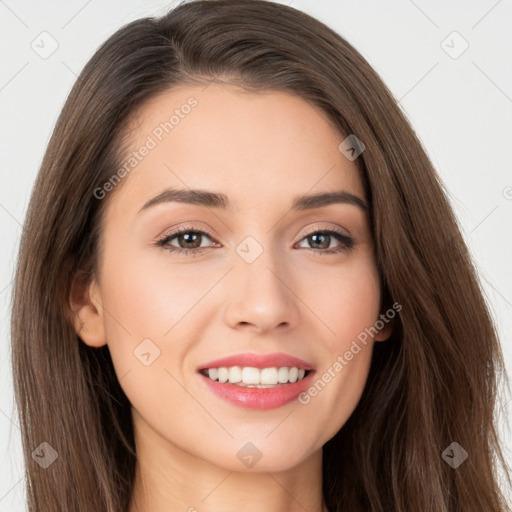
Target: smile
pixel 255 377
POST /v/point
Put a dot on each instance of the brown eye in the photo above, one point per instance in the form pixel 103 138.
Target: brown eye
pixel 189 241
pixel 321 240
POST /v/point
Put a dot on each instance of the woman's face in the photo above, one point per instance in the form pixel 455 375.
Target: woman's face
pixel 268 278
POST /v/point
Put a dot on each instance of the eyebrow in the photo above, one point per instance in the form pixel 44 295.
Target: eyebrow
pixel 221 201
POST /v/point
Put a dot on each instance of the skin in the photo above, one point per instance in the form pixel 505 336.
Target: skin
pixel 261 150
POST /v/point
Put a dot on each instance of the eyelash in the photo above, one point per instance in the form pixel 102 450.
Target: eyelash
pixel 347 242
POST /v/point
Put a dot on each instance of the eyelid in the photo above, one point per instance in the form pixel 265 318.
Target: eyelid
pixel 183 229
pixel 180 230
pixel 336 229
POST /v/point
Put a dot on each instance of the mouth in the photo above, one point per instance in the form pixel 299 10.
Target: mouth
pixel 251 377
pixel 257 381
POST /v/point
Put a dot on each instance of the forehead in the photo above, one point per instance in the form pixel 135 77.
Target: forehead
pixel 256 148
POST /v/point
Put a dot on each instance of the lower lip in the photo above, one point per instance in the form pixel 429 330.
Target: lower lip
pixel 258 398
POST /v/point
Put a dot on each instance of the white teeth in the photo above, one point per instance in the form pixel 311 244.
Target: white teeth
pixel 248 376
pixel 268 375
pixel 223 374
pixel 282 375
pixel 293 374
pixel 235 374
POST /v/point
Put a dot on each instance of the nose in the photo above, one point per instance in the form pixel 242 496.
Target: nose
pixel 259 294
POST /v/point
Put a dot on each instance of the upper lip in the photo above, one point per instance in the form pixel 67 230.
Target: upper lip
pixel 253 360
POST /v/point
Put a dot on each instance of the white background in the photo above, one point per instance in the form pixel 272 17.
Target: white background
pixel 460 108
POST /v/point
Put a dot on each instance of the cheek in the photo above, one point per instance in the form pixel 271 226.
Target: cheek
pixel 143 307
pixel 343 300
pixel 146 297
pixel 347 301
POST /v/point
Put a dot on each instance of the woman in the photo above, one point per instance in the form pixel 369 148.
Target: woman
pixel 326 347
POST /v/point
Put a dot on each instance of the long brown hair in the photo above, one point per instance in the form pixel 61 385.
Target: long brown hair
pixel 433 383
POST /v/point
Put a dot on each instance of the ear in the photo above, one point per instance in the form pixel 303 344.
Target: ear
pixel 86 306
pixel 387 329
